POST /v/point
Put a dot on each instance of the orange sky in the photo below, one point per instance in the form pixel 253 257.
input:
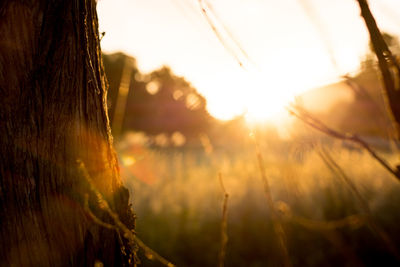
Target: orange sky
pixel 290 45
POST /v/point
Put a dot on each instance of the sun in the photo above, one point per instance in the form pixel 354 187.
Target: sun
pixel 267 109
pixel 260 97
pixel 259 105
pixel 263 93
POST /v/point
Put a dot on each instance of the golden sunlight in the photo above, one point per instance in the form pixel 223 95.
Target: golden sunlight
pixel 263 95
pixel 281 49
pixel 200 133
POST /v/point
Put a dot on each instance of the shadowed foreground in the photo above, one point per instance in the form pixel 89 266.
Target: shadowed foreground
pixel 52 113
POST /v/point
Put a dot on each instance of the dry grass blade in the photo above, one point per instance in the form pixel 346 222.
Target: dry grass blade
pixel 228 32
pixel 316 21
pixel 224 224
pixel 374 227
pixel 218 34
pixel 350 221
pixel 337 170
pixel 274 215
pixel 330 230
pixel 353 221
pixel 119 226
pixel 384 118
pixel 318 125
pixel 93 217
pixel 122 98
pixel 334 167
pixel 388 64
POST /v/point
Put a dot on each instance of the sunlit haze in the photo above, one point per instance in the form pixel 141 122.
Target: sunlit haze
pixel 286 47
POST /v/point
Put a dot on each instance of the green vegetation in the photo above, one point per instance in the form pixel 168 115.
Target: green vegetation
pixel 180 210
pixel 334 204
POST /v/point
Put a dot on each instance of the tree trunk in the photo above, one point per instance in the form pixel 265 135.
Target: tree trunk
pixel 53 113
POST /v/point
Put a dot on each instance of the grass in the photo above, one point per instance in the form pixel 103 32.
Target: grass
pixel 179 207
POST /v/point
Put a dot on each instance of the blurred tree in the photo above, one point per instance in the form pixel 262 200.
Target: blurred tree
pixel 159 102
pixel 366 114
pixel 114 65
pixel 52 113
pixel 370 61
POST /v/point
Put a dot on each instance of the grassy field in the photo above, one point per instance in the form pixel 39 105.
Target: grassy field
pixel 337 205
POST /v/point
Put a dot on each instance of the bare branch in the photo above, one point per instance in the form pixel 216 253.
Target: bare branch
pixel 307 118
pixel 224 223
pixel 276 220
pixel 388 65
pixel 373 226
pixel 206 9
pixel 127 233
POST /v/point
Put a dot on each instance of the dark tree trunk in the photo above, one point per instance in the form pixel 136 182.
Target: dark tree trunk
pixel 52 113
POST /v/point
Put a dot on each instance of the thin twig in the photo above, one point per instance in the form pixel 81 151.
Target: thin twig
pixel 315 20
pixel 333 166
pixel 349 221
pixel 384 119
pixel 318 125
pixel 330 230
pixel 337 171
pixel 93 217
pixel 388 64
pixel 127 233
pixel 228 32
pixel 224 224
pixel 374 227
pixel 277 224
pixel 218 34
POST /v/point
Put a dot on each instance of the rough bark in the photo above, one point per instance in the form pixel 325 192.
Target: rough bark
pixel 52 113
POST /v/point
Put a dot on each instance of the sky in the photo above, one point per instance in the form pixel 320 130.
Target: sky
pixel 271 50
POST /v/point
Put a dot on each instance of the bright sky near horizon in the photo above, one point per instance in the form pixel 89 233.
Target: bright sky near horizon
pixel 289 45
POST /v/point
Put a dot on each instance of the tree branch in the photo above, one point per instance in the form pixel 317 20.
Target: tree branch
pixel 307 118
pixel 388 65
pixel 127 233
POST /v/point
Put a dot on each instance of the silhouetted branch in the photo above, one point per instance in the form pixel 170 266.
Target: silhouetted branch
pixel 360 90
pixel 276 220
pixel 315 20
pixel 224 224
pixel 337 170
pixel 228 32
pixel 119 226
pixel 93 217
pixel 388 65
pixel 384 119
pixel 307 118
pixel 218 34
pixel 373 226
pixel 328 228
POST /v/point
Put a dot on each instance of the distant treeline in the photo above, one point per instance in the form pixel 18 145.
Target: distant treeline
pixel 156 103
pixel 166 108
pixel 367 114
pixel 162 103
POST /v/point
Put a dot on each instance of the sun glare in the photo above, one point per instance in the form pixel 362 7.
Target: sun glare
pixel 260 102
pixel 262 96
pixel 290 53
